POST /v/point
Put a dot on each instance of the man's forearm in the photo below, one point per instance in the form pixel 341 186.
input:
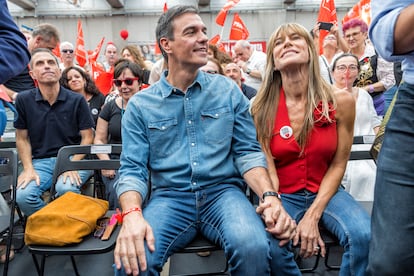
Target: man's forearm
pixel 403 34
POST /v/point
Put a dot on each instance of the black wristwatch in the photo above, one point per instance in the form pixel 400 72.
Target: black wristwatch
pixel 270 193
pixel 248 71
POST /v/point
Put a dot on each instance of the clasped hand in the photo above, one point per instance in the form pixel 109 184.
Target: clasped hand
pixel 277 220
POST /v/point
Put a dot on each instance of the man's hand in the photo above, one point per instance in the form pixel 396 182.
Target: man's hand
pixel 277 220
pixel 130 249
pixel 26 177
pixel 72 178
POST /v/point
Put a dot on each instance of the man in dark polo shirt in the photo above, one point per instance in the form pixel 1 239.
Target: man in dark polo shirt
pixel 50 117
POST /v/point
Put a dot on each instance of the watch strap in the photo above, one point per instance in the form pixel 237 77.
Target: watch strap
pixel 270 193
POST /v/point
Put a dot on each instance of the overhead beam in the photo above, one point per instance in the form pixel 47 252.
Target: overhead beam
pixel 116 3
pixel 203 2
pixel 25 4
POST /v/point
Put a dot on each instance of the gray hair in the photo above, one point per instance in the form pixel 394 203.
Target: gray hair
pixel 66 44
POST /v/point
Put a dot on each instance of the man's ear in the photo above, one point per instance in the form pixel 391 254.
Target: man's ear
pixel 165 44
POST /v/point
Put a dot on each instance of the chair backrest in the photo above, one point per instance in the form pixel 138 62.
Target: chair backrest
pixel 64 162
pixel 365 153
pixel 8 167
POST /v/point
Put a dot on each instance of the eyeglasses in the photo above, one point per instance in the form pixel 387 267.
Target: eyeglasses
pixel 128 81
pixel 67 51
pixel 211 71
pixel 348 36
pixel 343 68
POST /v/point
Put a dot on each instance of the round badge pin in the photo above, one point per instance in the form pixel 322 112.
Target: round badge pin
pixel 286 132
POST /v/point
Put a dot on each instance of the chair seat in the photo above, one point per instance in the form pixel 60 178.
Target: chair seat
pixel 89 245
pixel 200 244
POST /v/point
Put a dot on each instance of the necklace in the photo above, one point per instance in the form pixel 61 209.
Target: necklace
pixel 122 107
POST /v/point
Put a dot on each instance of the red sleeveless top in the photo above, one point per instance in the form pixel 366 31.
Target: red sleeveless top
pixel 295 171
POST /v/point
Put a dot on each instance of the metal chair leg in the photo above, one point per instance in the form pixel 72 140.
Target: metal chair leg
pixel 75 268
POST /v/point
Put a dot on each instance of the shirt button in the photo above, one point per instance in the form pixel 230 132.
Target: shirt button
pixel 194 183
pixel 189 122
pixel 192 144
pixel 302 181
pixel 195 163
pixel 187 99
pixel 163 127
pixel 216 115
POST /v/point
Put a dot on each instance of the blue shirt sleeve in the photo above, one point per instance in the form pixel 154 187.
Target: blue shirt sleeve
pixel 14 54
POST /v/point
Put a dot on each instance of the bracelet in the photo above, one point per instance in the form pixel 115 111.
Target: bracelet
pixel 135 209
pixel 371 88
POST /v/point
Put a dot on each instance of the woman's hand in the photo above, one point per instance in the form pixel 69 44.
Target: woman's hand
pixel 310 239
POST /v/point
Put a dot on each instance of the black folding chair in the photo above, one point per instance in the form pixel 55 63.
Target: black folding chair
pixel 90 244
pixel 8 183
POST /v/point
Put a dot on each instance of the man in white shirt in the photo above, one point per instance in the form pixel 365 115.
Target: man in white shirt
pixel 252 63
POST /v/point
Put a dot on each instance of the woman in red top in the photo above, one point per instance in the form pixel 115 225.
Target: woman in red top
pixel 306 131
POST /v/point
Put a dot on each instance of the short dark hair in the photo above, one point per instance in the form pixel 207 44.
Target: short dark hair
pixel 165 26
pixel 123 64
pixel 46 31
pixel 342 56
pixel 42 50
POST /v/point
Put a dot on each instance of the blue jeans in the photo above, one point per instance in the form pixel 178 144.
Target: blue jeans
pixel 224 216
pixel 343 217
pixel 110 192
pixel 30 199
pixel 392 244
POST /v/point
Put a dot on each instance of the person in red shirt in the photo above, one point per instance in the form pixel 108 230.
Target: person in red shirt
pixel 306 131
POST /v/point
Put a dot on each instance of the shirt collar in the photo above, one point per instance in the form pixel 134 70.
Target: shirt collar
pixel 167 89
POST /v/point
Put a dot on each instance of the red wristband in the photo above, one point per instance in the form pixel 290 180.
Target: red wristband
pixel 120 216
pixel 135 209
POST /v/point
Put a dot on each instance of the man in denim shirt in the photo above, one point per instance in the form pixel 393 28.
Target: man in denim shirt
pixel 392 242
pixel 192 131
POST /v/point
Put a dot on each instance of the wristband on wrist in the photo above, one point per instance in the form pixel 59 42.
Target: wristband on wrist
pixel 270 193
pixel 371 88
pixel 120 216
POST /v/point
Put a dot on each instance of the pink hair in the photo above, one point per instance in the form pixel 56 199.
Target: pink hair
pixel 356 22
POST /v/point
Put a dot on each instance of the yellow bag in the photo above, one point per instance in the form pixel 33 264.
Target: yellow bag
pixel 65 220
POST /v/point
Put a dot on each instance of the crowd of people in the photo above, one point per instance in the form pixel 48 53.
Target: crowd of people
pixel 201 125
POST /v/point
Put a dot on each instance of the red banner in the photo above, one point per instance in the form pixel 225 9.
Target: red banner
pixel 103 79
pixel 80 46
pixel 93 56
pixel 327 13
pixel 361 10
pixel 221 16
pixel 238 29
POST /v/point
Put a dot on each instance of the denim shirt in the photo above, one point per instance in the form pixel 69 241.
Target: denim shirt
pixel 189 141
pixel 381 32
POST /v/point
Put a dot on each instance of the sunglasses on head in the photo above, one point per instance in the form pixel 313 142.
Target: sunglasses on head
pixel 67 51
pixel 128 81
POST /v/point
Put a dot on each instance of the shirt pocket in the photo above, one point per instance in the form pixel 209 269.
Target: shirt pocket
pixel 163 137
pixel 217 125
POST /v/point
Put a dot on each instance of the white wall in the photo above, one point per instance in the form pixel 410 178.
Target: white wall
pixel 139 17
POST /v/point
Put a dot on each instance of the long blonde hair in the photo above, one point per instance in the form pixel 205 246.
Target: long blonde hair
pixel 267 99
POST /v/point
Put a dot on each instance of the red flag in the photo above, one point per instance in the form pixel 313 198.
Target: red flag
pixel 238 29
pixel 165 9
pixel 361 10
pixel 214 40
pixel 103 79
pixel 327 13
pixel 93 56
pixel 221 16
pixel 56 51
pixel 80 46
